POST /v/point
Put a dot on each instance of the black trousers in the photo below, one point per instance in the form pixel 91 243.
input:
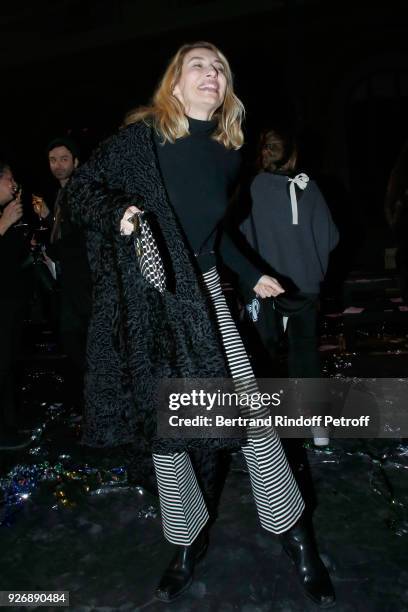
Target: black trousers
pixel 11 322
pixel 304 358
pixel 263 339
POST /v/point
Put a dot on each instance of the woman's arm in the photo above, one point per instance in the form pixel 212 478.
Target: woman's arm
pixel 11 214
pixel 232 246
pixel 239 256
pixel 239 253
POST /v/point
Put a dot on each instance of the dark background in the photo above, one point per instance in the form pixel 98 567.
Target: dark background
pixel 337 72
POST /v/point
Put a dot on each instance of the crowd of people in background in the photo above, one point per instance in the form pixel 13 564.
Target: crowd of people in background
pixel 58 249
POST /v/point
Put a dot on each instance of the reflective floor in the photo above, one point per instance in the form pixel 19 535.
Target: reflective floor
pixel 87 522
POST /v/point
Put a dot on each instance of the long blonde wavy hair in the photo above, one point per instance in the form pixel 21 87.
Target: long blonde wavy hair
pixel 167 113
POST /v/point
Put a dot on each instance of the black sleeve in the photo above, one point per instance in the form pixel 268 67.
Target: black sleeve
pixel 238 252
pixel 232 248
pixel 96 197
pixel 232 245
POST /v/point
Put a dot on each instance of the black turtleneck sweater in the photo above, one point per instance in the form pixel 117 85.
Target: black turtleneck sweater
pixel 200 175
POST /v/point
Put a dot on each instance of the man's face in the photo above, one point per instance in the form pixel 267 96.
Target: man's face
pixel 7 187
pixel 62 163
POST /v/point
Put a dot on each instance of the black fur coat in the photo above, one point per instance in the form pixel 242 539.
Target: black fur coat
pixel 137 335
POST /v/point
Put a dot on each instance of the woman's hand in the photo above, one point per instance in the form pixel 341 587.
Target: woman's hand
pixel 11 214
pixel 126 226
pixel 268 287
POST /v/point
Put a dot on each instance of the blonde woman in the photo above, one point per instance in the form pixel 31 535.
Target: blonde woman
pixel 179 160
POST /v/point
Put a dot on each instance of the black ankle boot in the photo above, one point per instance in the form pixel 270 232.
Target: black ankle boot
pixel 299 544
pixel 179 574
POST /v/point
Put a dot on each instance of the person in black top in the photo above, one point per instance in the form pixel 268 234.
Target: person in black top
pixel 67 248
pixel 13 250
pixel 291 228
pixel 178 160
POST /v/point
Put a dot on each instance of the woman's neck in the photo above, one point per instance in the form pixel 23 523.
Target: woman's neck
pixel 201 114
pixel 201 126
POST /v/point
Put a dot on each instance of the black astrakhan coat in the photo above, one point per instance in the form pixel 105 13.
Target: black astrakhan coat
pixel 137 335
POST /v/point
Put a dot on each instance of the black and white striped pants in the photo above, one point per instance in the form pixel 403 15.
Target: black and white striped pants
pixel 277 496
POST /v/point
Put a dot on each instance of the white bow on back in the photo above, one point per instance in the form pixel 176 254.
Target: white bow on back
pixel 301 180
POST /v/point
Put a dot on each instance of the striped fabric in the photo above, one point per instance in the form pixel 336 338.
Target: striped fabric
pixel 277 497
pixel 183 509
